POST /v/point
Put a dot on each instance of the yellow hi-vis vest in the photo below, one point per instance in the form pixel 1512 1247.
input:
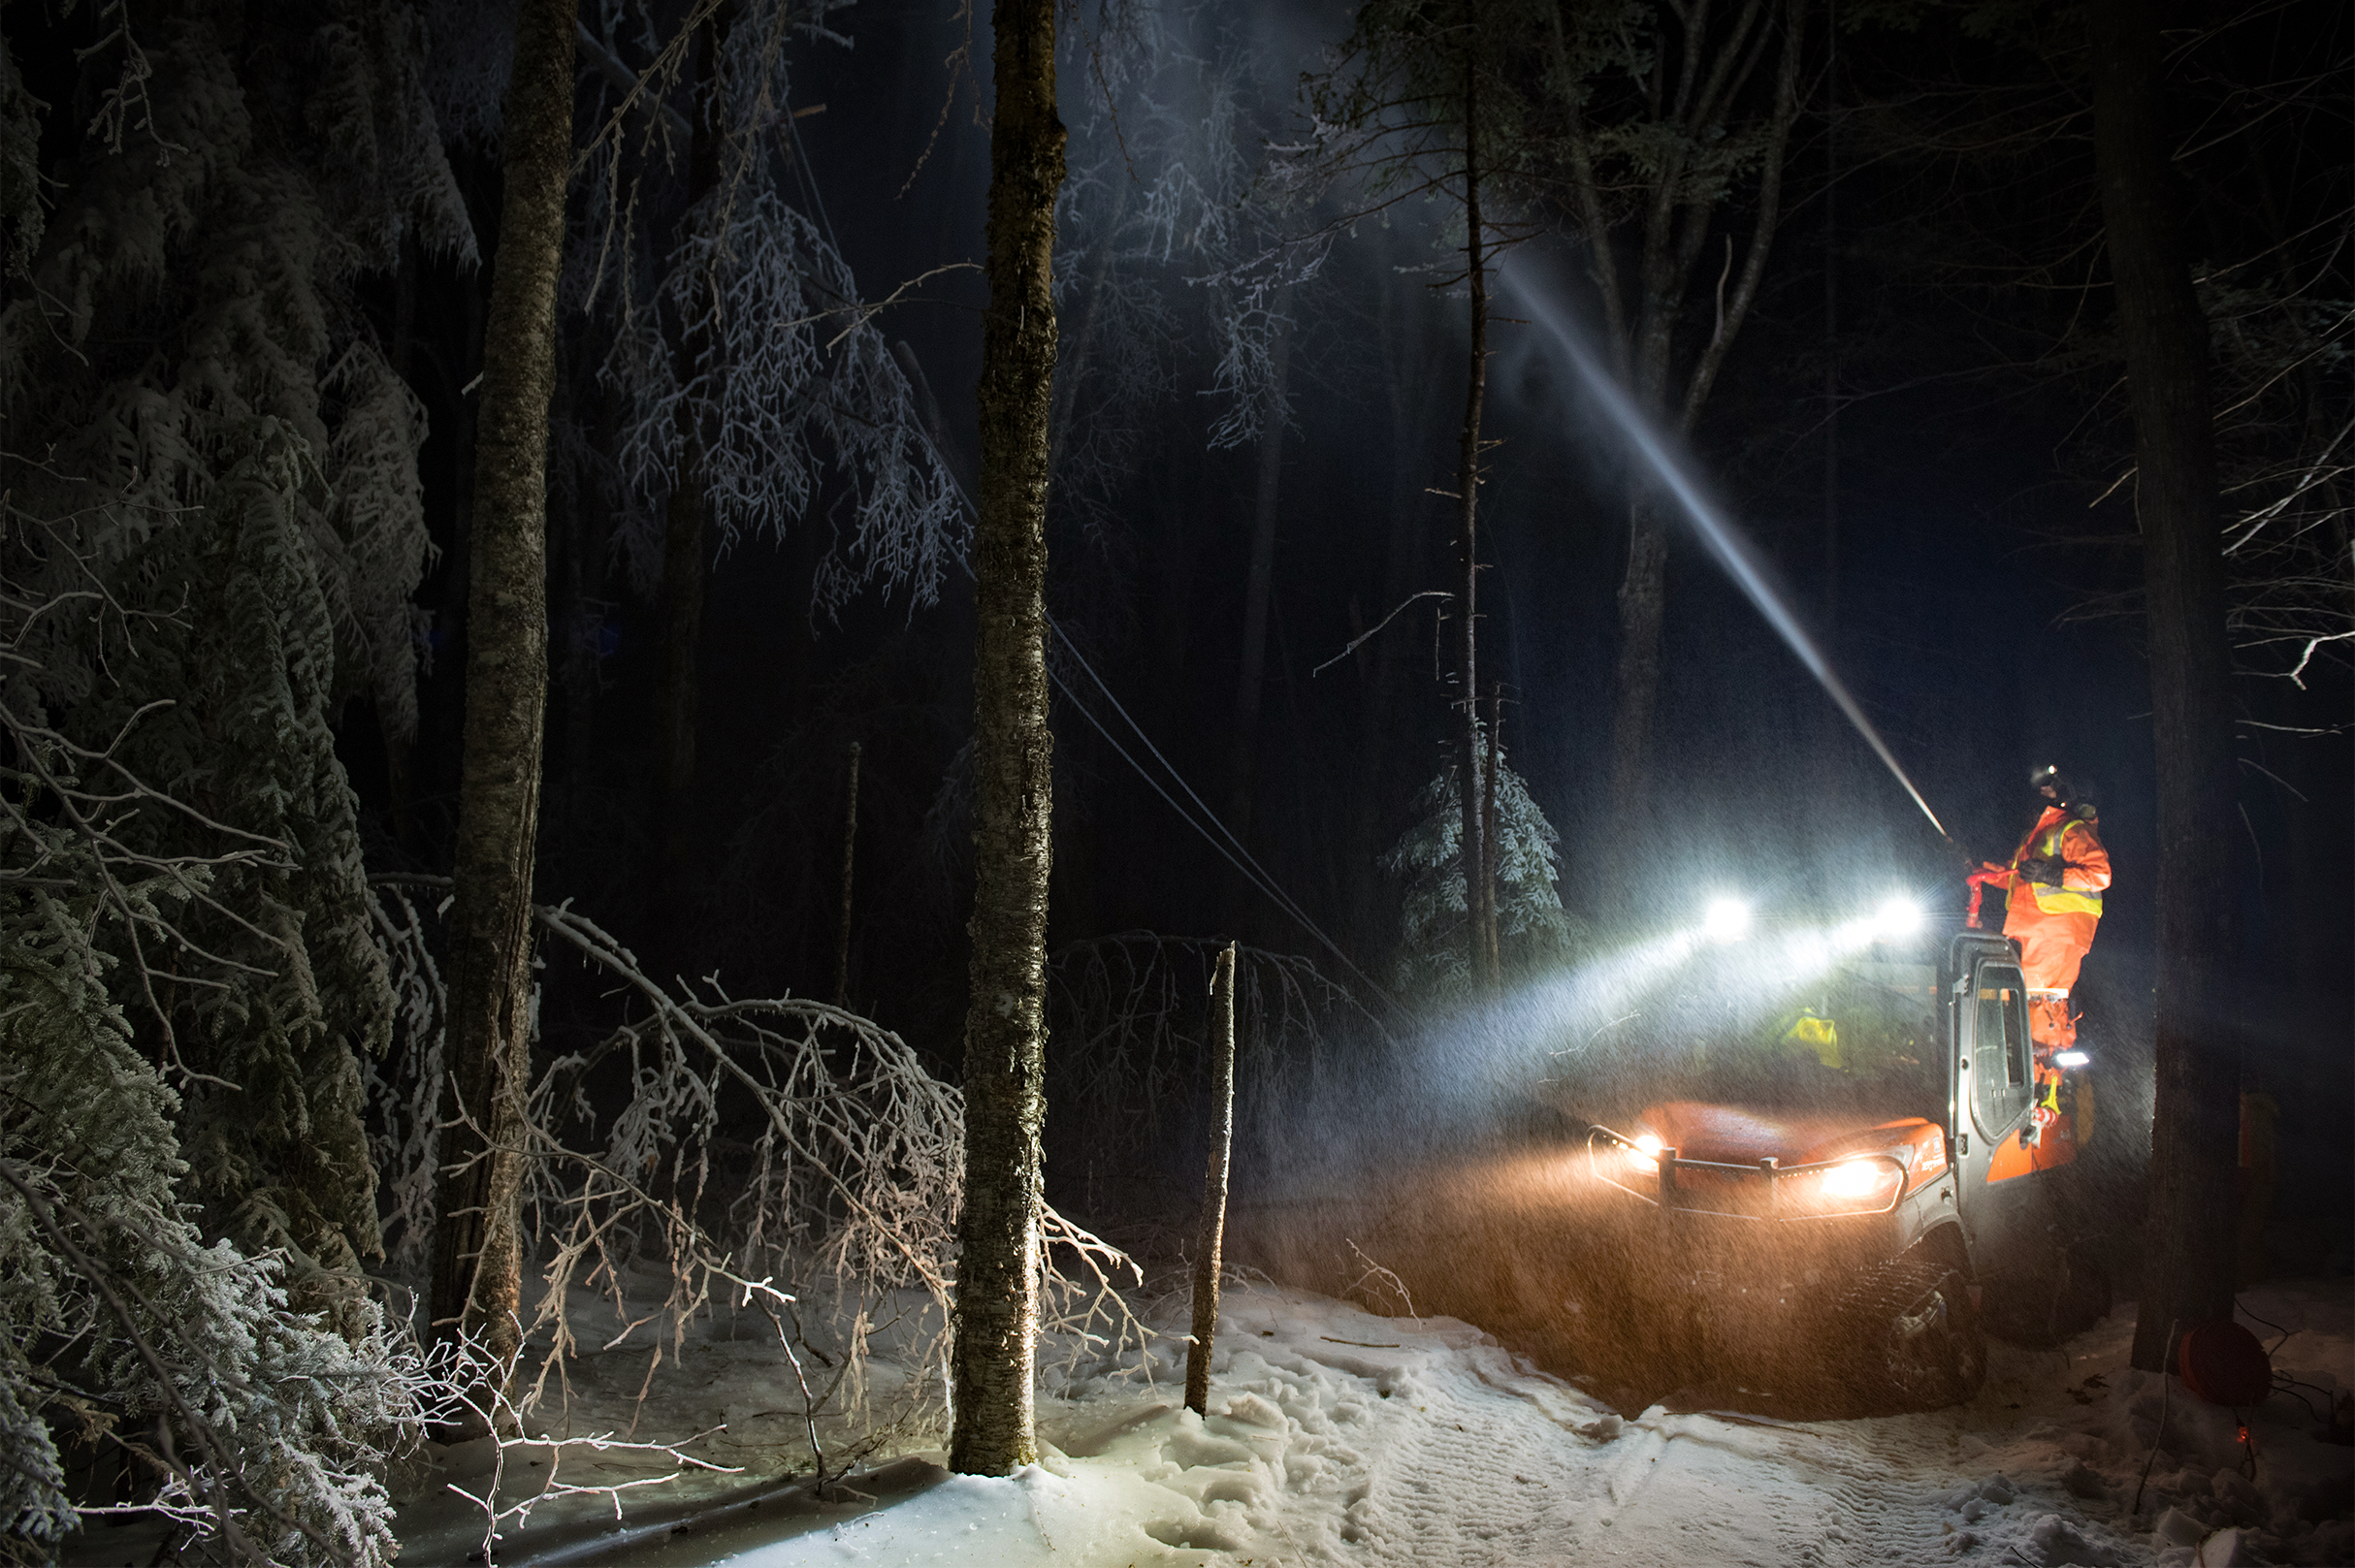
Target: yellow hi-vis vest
pixel 2051 899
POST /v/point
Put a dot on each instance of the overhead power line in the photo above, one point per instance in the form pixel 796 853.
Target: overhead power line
pixel 1239 857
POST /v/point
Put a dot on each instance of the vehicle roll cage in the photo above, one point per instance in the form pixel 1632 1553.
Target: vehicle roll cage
pixel 1768 1172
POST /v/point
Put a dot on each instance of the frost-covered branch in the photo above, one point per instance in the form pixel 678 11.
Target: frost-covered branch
pixel 721 1146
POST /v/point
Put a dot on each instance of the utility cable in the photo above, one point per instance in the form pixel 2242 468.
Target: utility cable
pixel 1264 879
pixel 1267 886
pixel 1240 858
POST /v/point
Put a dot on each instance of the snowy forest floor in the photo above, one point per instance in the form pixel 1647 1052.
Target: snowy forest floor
pixel 1336 1436
pixel 1339 1437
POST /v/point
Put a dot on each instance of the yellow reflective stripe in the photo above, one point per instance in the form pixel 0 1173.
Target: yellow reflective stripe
pixel 2067 900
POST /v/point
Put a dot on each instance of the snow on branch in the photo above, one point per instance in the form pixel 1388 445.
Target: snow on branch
pixel 713 1152
pixel 744 351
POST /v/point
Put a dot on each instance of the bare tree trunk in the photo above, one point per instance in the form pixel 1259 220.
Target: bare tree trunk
pixel 997 1309
pixel 2188 1226
pixel 850 844
pixel 685 534
pixel 1636 677
pixel 1712 73
pixel 1248 686
pixel 1479 894
pixel 477 1258
pixel 1210 1240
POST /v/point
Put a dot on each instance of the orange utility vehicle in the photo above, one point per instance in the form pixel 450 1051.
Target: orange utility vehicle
pixel 1867 1203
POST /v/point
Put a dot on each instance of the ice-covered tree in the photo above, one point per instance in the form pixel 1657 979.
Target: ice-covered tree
pixel 758 394
pixel 477 1267
pixel 261 1431
pixel 1671 131
pixel 203 436
pixel 1434 958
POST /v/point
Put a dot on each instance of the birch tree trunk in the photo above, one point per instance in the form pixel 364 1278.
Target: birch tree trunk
pixel 2188 1224
pixel 477 1260
pixel 1005 1028
pixel 1210 1242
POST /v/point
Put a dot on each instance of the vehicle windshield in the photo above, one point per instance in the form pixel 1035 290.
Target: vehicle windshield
pixel 1857 1038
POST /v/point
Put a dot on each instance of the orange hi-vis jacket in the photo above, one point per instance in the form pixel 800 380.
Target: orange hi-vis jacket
pixel 2054 925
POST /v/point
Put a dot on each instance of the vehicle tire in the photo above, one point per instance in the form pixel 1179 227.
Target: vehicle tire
pixel 1915 1339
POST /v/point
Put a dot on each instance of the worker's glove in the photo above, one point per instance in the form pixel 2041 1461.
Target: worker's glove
pixel 2044 869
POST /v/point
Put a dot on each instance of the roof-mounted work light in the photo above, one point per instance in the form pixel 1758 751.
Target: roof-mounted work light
pixel 1728 920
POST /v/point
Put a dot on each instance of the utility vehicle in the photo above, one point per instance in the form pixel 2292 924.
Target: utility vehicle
pixel 1867 1191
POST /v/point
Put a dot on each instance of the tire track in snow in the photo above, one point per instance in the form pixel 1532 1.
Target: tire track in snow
pixel 1443 1438
pixel 1824 1495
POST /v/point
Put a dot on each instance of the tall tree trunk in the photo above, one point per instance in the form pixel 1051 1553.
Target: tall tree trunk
pixel 1642 334
pixel 1209 1238
pixel 1643 593
pixel 997 1309
pixel 1247 689
pixel 686 531
pixel 2188 1240
pixel 477 1259
pixel 1479 894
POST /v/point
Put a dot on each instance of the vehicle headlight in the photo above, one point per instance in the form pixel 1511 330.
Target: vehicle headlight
pixel 1648 1145
pixel 1857 1180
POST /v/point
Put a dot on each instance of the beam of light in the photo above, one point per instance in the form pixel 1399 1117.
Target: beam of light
pixel 1726 542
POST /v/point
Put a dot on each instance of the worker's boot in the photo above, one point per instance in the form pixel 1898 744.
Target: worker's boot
pixel 2045 1109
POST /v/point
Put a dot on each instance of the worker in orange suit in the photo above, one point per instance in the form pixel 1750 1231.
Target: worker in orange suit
pixel 2053 902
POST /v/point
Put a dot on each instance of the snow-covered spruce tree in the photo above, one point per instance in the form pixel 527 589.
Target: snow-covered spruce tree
pixel 220 444
pixel 1532 929
pixel 279 1160
pixel 174 1372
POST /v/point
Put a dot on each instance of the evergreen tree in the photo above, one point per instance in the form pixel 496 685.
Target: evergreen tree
pixel 204 442
pixel 272 1123
pixel 1428 102
pixel 265 1428
pixel 1532 928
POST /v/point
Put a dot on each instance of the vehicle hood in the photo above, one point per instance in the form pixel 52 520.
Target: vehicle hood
pixel 1743 1135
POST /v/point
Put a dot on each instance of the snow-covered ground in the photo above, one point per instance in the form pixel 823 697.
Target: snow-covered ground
pixel 1336 1436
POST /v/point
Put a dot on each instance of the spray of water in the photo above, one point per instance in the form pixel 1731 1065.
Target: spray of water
pixel 1733 552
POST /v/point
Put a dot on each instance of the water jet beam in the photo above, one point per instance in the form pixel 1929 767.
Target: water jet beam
pixel 1716 530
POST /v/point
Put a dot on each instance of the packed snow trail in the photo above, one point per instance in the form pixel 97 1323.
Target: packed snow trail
pixel 1340 1437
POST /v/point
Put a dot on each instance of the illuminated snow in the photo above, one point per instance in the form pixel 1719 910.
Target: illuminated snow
pixel 1336 1436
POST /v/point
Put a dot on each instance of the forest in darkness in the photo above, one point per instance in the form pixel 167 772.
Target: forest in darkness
pixel 323 977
